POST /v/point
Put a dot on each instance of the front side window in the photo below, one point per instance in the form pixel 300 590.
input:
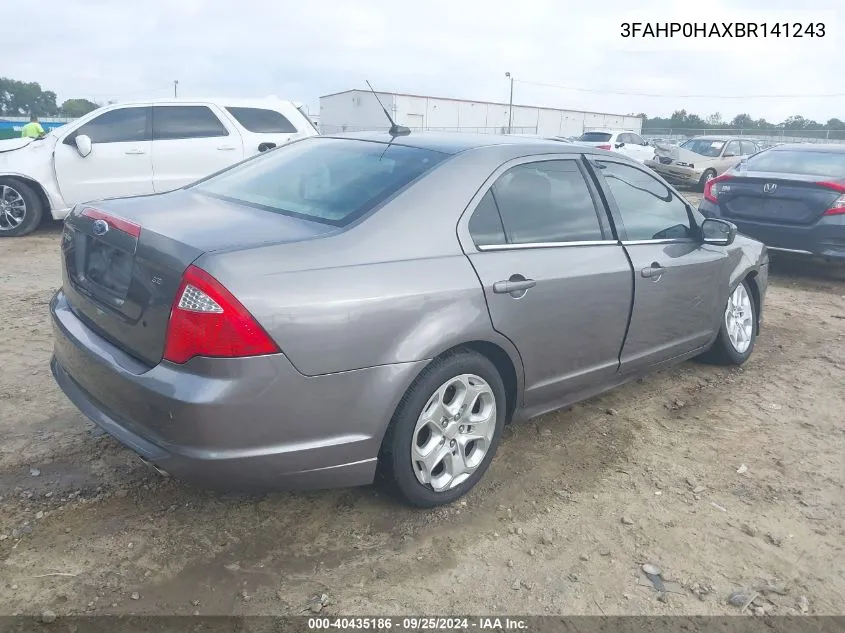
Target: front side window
pixel 637 140
pixel 649 210
pixel 184 122
pixel 327 180
pixel 124 125
pixel 542 202
pixel 263 121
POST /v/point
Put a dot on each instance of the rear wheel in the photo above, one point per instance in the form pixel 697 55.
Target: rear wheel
pixel 706 177
pixel 445 430
pixel 735 342
pixel 20 208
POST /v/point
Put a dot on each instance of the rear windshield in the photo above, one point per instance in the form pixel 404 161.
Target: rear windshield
pixel 788 161
pixel 704 147
pixel 595 137
pixel 327 180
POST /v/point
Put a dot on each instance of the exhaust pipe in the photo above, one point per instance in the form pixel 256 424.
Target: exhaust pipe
pixel 154 467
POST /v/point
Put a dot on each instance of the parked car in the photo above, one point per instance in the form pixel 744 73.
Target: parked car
pixel 620 141
pixel 346 304
pixel 792 197
pixel 136 148
pixel 700 159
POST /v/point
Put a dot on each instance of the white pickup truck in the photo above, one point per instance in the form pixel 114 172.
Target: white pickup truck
pixel 134 149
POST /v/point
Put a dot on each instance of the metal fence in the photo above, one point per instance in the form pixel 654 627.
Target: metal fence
pixel 338 129
pixel 770 136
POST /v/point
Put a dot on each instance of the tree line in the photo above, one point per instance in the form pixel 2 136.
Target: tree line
pixel 796 125
pixel 22 99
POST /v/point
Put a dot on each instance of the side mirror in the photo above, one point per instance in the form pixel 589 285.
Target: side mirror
pixel 620 144
pixel 718 232
pixel 83 145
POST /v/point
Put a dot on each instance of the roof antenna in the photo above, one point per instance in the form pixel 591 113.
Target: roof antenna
pixel 395 130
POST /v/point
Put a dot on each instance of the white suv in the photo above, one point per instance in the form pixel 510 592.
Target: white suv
pixel 621 141
pixel 134 149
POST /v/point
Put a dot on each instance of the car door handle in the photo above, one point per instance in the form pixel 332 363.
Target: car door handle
pixel 135 151
pixel 226 148
pixel 655 271
pixel 511 286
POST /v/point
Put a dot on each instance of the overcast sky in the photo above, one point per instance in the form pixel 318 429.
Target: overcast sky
pixel 301 49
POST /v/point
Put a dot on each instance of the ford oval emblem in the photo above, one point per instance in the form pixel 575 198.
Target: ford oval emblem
pixel 101 227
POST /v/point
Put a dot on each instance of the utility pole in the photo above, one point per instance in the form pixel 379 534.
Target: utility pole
pixel 510 104
pixel 175 84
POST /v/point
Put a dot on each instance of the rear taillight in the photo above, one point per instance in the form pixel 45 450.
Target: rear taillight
pixel 838 206
pixel 113 221
pixel 602 146
pixel 712 187
pixel 207 320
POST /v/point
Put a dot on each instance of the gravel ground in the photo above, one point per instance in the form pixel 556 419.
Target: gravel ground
pixel 727 479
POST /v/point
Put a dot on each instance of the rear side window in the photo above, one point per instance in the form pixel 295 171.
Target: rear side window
pixel 485 225
pixel 542 202
pixel 595 137
pixel 790 161
pixel 180 122
pixel 124 125
pixel 748 147
pixel 327 180
pixel 263 121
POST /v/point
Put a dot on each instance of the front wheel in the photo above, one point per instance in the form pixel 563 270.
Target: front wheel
pixel 735 342
pixel 706 177
pixel 445 431
pixel 20 208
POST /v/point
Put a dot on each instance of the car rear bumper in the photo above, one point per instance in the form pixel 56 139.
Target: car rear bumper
pixel 823 239
pixel 242 423
pixel 675 175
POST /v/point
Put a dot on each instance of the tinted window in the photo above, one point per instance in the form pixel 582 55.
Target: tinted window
pixel 650 211
pixel 705 147
pixel 485 225
pixel 747 147
pixel 117 126
pixel 328 180
pixel 595 137
pixel 791 161
pixel 546 202
pixel 263 121
pixel 732 149
pixel 172 122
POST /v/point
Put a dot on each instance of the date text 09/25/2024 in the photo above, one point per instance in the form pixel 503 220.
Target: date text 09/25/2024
pixel 716 30
pixel 418 623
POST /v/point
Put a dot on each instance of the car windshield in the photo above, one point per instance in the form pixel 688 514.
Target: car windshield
pixel 704 147
pixel 595 137
pixel 789 161
pixel 327 180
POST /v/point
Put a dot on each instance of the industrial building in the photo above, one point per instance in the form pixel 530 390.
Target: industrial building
pixel 357 110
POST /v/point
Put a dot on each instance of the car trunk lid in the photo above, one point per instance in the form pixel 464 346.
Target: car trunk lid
pixel 123 260
pixel 776 198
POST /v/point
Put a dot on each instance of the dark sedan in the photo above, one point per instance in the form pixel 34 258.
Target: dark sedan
pixel 791 197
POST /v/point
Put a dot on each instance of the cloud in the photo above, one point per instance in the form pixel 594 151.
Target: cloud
pixel 462 48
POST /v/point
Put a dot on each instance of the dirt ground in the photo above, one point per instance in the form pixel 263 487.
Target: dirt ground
pixel 727 479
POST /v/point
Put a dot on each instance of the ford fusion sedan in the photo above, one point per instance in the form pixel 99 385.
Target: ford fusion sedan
pixel 346 306
pixel 700 159
pixel 792 197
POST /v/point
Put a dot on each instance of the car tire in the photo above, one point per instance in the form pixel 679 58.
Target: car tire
pixel 725 349
pixel 15 195
pixel 708 175
pixel 414 429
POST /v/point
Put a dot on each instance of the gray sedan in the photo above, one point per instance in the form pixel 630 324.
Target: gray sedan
pixel 346 306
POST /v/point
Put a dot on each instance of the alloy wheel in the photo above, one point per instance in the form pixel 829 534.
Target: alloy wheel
pixel 454 432
pixel 12 208
pixel 739 319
